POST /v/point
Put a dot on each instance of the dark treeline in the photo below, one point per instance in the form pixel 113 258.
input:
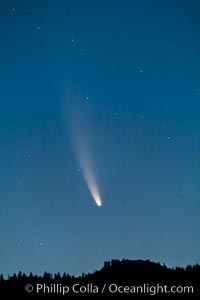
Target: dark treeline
pixel 113 273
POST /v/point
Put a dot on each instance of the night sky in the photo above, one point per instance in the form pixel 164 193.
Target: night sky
pixel 127 75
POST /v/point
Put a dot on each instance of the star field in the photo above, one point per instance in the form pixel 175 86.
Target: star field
pixel 129 71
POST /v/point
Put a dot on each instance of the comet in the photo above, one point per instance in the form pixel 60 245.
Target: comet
pixel 88 174
pixel 84 158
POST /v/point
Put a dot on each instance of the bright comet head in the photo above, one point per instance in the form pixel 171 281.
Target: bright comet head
pixel 96 197
pixel 84 158
pixel 90 180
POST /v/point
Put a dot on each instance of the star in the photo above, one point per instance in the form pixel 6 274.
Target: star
pixel 38 28
pixel 20 182
pixel 72 40
pixel 78 169
pixel 13 9
pixel 41 244
pixel 29 155
pixel 65 12
pixel 169 137
pixel 21 241
pixel 141 71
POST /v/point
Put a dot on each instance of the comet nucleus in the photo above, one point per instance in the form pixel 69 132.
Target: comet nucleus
pixel 84 158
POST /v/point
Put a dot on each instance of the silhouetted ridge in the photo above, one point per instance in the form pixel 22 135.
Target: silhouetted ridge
pixel 141 271
pixel 122 273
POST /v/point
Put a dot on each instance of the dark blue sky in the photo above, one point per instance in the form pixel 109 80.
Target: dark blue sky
pixel 131 71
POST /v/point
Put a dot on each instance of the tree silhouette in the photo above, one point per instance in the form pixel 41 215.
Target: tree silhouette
pixel 122 273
